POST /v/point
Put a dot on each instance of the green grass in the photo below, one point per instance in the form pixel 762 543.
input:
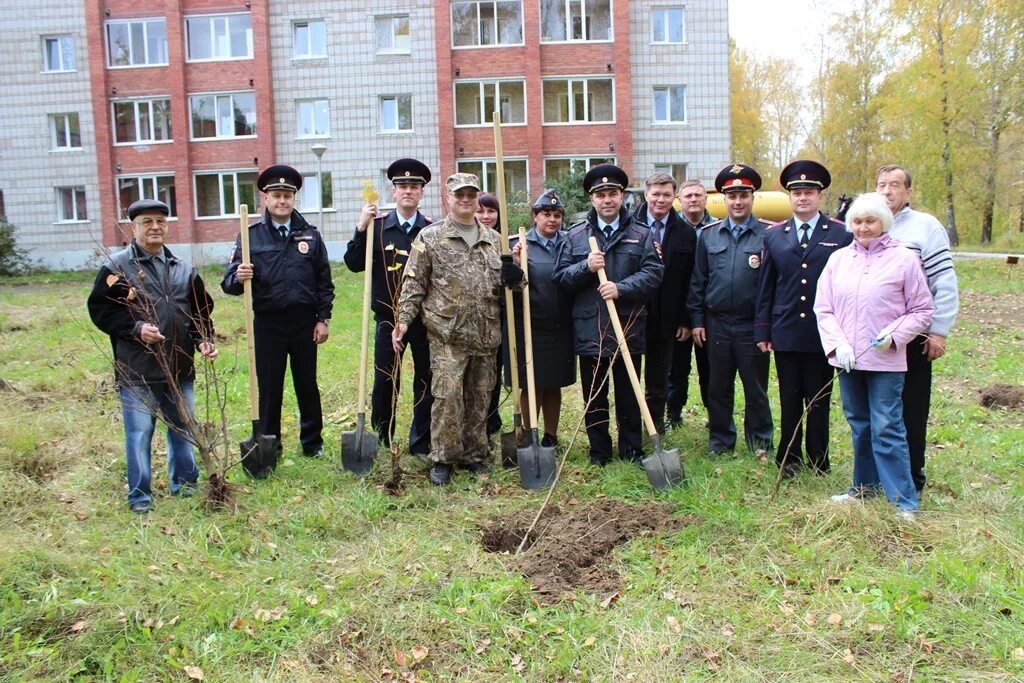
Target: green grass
pixel 319 576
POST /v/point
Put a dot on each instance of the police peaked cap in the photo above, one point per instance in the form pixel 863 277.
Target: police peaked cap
pixel 548 200
pixel 407 171
pixel 804 173
pixel 279 177
pixel 737 178
pixel 604 176
pixel 144 205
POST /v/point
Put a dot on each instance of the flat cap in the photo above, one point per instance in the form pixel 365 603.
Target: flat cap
pixel 144 205
pixel 457 181
pixel 408 171
pixel 737 178
pixel 279 177
pixel 604 176
pixel 549 200
pixel 804 173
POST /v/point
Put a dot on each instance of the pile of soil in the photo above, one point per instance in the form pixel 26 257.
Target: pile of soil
pixel 571 546
pixel 1002 395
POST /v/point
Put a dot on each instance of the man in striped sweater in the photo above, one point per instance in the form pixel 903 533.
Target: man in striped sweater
pixel 924 234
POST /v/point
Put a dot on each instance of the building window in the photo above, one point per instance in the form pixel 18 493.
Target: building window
pixel 138 121
pixel 668 25
pixel 309 39
pixel 131 189
pixel 559 166
pixel 393 35
pixel 71 204
pixel 137 43
pixel 218 195
pixel 396 113
pixel 676 170
pixel 311 195
pixel 228 115
pixel 579 100
pixel 65 132
pixel 477 23
pixel 670 104
pixel 567 20
pixel 217 37
pixel 314 118
pixel 476 102
pixel 516 185
pixel 59 53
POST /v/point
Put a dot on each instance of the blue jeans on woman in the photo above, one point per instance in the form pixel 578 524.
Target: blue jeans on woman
pixel 140 406
pixel 873 405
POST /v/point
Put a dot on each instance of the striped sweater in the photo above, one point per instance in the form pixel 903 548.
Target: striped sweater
pixel 924 234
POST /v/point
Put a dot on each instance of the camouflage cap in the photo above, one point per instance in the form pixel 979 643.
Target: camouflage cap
pixel 457 181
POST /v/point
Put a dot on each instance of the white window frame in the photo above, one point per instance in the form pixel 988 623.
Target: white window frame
pixel 64 58
pixel 666 9
pixel 143 178
pixel 75 189
pixel 580 159
pixel 55 135
pixel 308 24
pixel 667 89
pixel 478 46
pixel 486 115
pixel 139 140
pixel 210 18
pixel 310 180
pixel 145 42
pixel 490 161
pixel 568 18
pixel 299 104
pixel 220 135
pixel 667 168
pixel 220 188
pixel 586 89
pixel 407 40
pixel 380 110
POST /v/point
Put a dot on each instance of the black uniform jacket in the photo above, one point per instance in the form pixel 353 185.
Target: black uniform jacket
pixel 726 272
pixel 789 279
pixel 668 305
pixel 390 253
pixel 287 274
pixel 630 262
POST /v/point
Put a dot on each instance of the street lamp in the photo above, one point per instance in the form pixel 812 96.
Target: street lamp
pixel 318 149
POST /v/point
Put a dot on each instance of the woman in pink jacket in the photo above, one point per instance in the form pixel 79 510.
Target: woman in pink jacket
pixel 872 300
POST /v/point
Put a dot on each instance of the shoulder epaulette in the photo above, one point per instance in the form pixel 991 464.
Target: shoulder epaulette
pixel 779 224
pixel 576 227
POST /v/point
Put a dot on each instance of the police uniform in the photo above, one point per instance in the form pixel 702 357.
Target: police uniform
pixel 292 290
pixel 723 295
pixel 791 263
pixel 393 237
pixel 632 263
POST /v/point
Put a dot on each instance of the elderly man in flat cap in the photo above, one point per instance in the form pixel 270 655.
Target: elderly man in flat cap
pixel 156 310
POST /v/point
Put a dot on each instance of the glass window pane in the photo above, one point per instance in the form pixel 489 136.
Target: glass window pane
pixel 552 20
pixel 246 190
pixel 660 104
pixel 510 23
pixel 678 103
pixel 124 121
pixel 467 104
pixel 208 194
pixel 474 167
pixel 405 112
pixel 138 32
pixel 402 38
pixel 658 25
pixel 244 114
pixel 513 102
pixel 389 113
pixel 465 30
pixel 575 28
pixel 127 193
pixel 384 33
pixel 556 101
pixel 675 25
pixel 227 183
pixel 161 119
pixel 220 38
pixel 327 192
pixel 554 168
pixel 301 40
pixel 599 19
pixel 241 30
pixel 200 41
pixel 305 116
pixel 118 48
pixel 488 34
pixel 579 109
pixel 156 42
pixel 308 194
pixel 165 193
pixel 225 115
pixel 67 53
pixel 145 131
pixel 80 213
pixel 317 38
pixel 204 122
pixel 74 133
pixel 323 117
pixel 601 99
pixel 515 180
pixel 489 102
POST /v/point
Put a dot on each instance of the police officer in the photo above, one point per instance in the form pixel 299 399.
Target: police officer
pixel 722 299
pixel 634 273
pixel 795 253
pixel 292 296
pixel 394 233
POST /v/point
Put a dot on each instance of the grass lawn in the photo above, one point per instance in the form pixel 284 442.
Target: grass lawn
pixel 321 577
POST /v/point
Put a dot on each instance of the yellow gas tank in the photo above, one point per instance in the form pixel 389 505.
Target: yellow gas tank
pixel 770 206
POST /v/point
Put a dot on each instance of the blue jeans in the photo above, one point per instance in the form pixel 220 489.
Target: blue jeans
pixel 140 406
pixel 873 406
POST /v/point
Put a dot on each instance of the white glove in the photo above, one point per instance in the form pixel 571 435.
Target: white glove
pixel 844 354
pixel 882 343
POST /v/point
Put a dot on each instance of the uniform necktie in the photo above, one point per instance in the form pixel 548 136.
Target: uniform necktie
pixel 607 232
pixel 735 232
pixel 406 227
pixel 804 234
pixel 282 230
pixel 658 231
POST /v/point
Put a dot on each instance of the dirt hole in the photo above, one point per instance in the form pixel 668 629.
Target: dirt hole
pixel 570 548
pixel 1002 395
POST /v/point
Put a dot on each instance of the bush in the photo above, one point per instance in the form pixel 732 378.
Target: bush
pixel 13 261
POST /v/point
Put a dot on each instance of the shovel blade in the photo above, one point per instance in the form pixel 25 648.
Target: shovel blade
pixel 259 455
pixel 664 469
pixel 536 466
pixel 358 451
pixel 509 446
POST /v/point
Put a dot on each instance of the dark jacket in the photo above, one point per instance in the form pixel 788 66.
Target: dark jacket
pixel 668 305
pixel 390 253
pixel 133 288
pixel 789 280
pixel 725 273
pixel 287 275
pixel 630 262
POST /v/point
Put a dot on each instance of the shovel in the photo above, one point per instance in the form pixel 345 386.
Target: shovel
pixel 359 448
pixel 663 468
pixel 509 440
pixel 259 451
pixel 536 462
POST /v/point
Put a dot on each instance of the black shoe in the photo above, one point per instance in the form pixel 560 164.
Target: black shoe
pixel 718 452
pixel 636 457
pixel 476 468
pixel 790 470
pixel 600 462
pixel 318 453
pixel 440 474
pixel 549 441
pixel 188 490
pixel 673 422
pixel 143 507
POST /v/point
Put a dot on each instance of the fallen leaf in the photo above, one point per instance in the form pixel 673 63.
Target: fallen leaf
pixel 727 631
pixel 1018 654
pixel 673 624
pixel 614 597
pixel 589 641
pixel 81 516
pixel 311 600
pixel 713 658
pixel 926 647
pixel 106 550
pixel 517 662
pixel 785 608
pixel 898 677
pixel 238 623
pixel 400 658
pixel 668 595
pixel 718 471
pixel 78 626
pixel 875 628
pixel 482 647
pixel 419 653
pixel 460 610
pixel 810 619
pixel 530 619
pixel 849 658
pixel 663 649
pixel 194 673
pixel 168 531
pixel 835 619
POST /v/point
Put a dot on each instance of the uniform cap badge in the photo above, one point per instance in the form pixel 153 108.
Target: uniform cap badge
pixel 736 168
pixel 280 180
pixel 604 180
pixel 803 176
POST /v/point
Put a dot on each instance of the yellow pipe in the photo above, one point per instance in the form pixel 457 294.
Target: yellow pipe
pixel 769 205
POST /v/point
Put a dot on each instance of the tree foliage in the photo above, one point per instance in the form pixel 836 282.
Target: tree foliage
pixel 13 259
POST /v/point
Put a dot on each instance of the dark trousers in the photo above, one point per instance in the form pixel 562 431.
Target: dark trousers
pixel 679 376
pixel 805 379
pixel 280 338
pixel 387 384
pixel 917 401
pixel 493 409
pixel 731 350
pixel 658 352
pixel 594 374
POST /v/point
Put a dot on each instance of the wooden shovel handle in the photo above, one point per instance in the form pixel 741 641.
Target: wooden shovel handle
pixel 250 335
pixel 531 388
pixel 364 339
pixel 510 316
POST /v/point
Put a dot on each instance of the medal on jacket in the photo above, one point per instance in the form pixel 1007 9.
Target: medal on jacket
pixel 754 261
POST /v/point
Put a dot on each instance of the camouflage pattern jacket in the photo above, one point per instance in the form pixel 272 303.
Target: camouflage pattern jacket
pixel 455 287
